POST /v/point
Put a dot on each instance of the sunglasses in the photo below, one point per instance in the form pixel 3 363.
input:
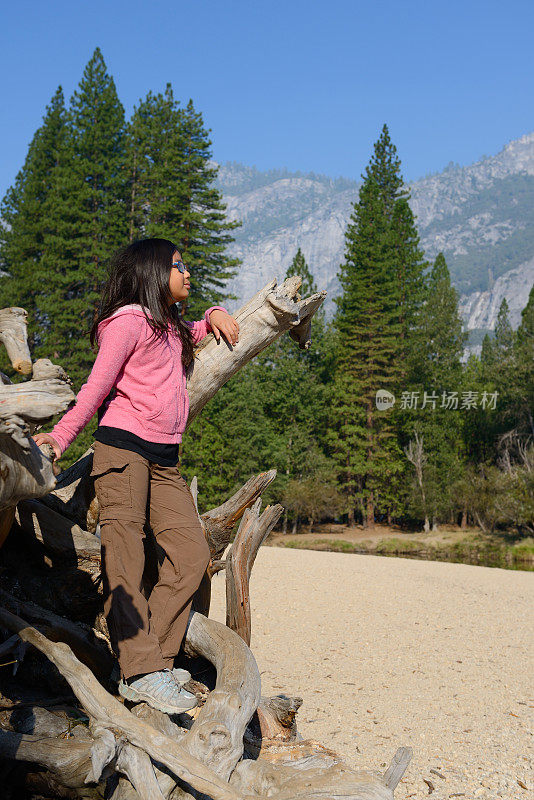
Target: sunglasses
pixel 180 266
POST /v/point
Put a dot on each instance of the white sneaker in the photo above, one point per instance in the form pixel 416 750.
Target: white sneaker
pixel 159 690
pixel 181 676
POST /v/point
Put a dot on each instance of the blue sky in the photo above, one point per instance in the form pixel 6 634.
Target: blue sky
pixel 299 84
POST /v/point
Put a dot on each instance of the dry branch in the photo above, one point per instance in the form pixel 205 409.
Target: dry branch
pixel 14 337
pixel 270 313
pixel 220 522
pixel 216 736
pixel 25 470
pixel 109 713
pixel 69 759
pixel 252 532
pixel 90 647
pixel 58 534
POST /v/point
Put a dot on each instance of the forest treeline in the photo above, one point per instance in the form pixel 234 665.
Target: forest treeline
pixel 453 444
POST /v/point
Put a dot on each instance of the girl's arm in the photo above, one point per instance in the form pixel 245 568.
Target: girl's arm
pixel 117 339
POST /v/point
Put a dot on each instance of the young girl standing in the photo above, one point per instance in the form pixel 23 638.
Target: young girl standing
pixel 138 386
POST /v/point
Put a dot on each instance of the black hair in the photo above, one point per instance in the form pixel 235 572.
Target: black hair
pixel 139 273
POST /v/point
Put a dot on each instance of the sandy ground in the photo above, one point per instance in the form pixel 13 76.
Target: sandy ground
pixel 388 652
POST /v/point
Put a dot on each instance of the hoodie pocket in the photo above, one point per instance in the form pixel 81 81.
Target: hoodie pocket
pixel 148 407
pixel 166 418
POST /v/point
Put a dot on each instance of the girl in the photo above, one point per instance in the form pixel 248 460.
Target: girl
pixel 138 385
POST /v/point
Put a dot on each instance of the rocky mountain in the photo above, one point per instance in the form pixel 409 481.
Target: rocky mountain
pixel 481 216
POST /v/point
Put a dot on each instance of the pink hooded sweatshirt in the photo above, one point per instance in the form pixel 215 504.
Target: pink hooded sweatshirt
pixel 148 375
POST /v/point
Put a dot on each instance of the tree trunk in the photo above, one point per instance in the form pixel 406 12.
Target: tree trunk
pixel 370 511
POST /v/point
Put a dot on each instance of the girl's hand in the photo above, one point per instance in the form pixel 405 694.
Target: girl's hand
pixel 221 322
pixel 45 438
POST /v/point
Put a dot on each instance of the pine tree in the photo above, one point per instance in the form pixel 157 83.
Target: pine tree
pixel 29 214
pixel 204 235
pixel 320 355
pixel 497 374
pixel 437 371
pixel 523 381
pixel 91 219
pixel 504 334
pixel 172 193
pixel 410 282
pixel 155 166
pixel 525 332
pixel 300 267
pixel 486 350
pixel 442 334
pixel 372 316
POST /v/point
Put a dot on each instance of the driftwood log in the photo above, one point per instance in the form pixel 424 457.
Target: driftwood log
pixel 64 732
pixel 24 470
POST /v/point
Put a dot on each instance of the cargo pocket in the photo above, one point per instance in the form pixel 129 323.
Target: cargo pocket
pixel 112 476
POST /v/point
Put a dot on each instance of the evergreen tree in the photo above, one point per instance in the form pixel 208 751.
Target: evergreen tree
pixel 502 370
pixel 437 374
pixel 155 166
pixel 525 332
pixel 410 283
pixel 486 350
pixel 494 375
pixel 29 215
pixel 371 319
pixel 442 334
pixel 523 383
pixel 300 267
pixel 504 334
pixel 204 234
pixel 90 220
pixel 320 356
pixel 172 193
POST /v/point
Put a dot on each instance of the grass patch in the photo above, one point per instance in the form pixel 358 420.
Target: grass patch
pixel 524 549
pixel 397 546
pixel 475 550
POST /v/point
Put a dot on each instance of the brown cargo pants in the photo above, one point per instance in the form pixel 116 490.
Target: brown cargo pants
pixel 146 633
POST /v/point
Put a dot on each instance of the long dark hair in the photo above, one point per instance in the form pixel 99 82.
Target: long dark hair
pixel 139 273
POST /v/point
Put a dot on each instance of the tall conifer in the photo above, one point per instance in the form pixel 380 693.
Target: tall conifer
pixel 155 166
pixel 91 218
pixel 30 215
pixel 172 193
pixel 436 375
pixel 300 267
pixel 524 363
pixel 438 361
pixel 205 233
pixel 369 325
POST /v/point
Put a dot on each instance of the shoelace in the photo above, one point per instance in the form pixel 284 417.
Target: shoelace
pixel 163 683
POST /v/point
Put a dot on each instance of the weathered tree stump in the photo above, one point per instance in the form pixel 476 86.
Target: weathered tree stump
pixel 63 730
